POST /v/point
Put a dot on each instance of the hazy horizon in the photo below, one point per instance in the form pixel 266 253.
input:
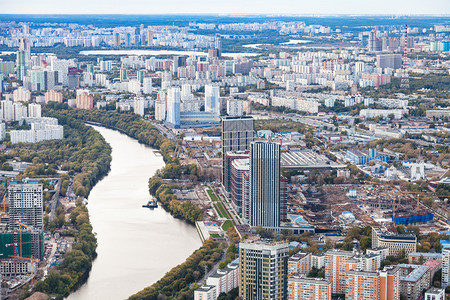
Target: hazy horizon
pixel 230 7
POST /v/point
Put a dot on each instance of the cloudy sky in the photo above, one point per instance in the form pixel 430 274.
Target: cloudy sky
pixel 298 7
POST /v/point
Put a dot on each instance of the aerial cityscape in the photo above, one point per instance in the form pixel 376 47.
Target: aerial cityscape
pixel 222 154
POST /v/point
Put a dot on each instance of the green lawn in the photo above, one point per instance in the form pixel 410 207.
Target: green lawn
pixel 212 195
pixel 223 210
pixel 227 225
pixel 217 236
pixel 218 210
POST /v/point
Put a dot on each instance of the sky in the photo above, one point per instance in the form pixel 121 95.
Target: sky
pixel 294 7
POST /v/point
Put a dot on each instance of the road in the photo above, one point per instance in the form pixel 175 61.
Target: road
pixel 54 200
pixel 163 130
pixel 49 259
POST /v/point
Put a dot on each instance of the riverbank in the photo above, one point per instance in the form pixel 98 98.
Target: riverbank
pixel 85 150
pixel 133 126
pixel 136 245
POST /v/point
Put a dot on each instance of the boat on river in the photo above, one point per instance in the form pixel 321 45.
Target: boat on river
pixel 151 204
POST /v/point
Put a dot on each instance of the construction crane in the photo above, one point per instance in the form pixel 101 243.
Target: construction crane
pixel 20 233
pixel 16 256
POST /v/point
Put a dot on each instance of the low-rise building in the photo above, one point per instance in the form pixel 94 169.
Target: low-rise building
pixel 434 293
pixel 414 280
pixel 394 242
pixel 206 292
pixel 225 279
pixel 416 257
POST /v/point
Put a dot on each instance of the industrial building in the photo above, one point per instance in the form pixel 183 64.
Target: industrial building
pixel 361 157
pixel 306 160
pixel 406 217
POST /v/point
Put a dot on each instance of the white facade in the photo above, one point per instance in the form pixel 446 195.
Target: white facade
pixel 434 294
pixel 2 131
pixel 418 171
pixel 173 106
pixel 147 85
pixel 318 260
pixel 34 110
pixel 235 108
pixel 25 205
pixel 139 107
pixel 307 105
pixel 10 111
pixel 445 267
pixel 212 98
pixel 373 113
pixel 42 129
pixel 206 292
pixel 225 280
pixel 21 95
pixel 134 86
pixel 160 110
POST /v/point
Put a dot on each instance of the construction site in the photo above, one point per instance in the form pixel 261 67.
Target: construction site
pixel 337 207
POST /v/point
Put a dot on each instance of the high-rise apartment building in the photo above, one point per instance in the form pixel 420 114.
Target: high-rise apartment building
pixel 237 134
pixel 123 74
pixel 25 205
pixel 139 106
pixel 238 168
pixel 336 267
pixel 263 270
pixel 393 44
pixel 149 38
pixel 212 99
pixel 85 101
pixel 34 110
pixel 265 200
pixel 213 103
pixel 302 288
pixel 299 263
pixel 53 95
pixel 445 280
pixel 375 43
pixel 21 64
pixel 393 61
pixel 228 158
pixel 390 283
pixel 25 45
pixel 147 85
pixel 362 285
pixel 173 106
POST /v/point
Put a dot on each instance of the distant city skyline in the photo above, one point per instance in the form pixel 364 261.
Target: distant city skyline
pixel 301 7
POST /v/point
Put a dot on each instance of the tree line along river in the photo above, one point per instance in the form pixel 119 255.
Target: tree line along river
pixel 136 246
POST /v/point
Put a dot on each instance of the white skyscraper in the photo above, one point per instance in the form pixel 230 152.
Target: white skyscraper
pixel 212 100
pixel 235 108
pixel 173 106
pixel 134 86
pixel 160 110
pixel 34 110
pixel 2 131
pixel 147 85
pixel 139 106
